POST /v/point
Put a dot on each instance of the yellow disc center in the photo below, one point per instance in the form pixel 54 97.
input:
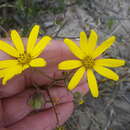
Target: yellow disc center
pixel 24 58
pixel 88 62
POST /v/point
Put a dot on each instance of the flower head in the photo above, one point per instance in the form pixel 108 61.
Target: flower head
pixel 87 61
pixel 23 58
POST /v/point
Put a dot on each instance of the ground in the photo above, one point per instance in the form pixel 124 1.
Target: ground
pixel 66 18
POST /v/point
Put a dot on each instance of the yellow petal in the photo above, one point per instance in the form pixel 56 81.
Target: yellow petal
pixel 92 83
pixel 17 41
pixel 105 45
pixel 32 38
pixel 74 49
pixel 110 62
pixel 69 64
pixel 76 78
pixel 1 73
pixel 92 41
pixel 83 42
pixel 37 50
pixel 8 63
pixel 106 72
pixel 24 67
pixel 38 62
pixel 8 49
pixel 10 73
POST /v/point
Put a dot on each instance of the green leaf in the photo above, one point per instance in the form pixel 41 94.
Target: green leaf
pixel 110 23
pixel 20 4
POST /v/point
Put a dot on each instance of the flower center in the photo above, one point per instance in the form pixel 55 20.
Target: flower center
pixel 24 58
pixel 88 62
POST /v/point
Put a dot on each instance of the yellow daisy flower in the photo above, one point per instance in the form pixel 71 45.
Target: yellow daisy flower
pixel 23 58
pixel 87 54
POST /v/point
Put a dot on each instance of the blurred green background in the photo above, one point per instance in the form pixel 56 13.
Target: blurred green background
pixel 23 14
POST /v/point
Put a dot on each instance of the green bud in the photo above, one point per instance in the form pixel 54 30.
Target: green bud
pixel 36 101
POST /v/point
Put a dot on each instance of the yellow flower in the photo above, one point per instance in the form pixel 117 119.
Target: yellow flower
pixel 87 54
pixel 23 58
pixel 81 102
